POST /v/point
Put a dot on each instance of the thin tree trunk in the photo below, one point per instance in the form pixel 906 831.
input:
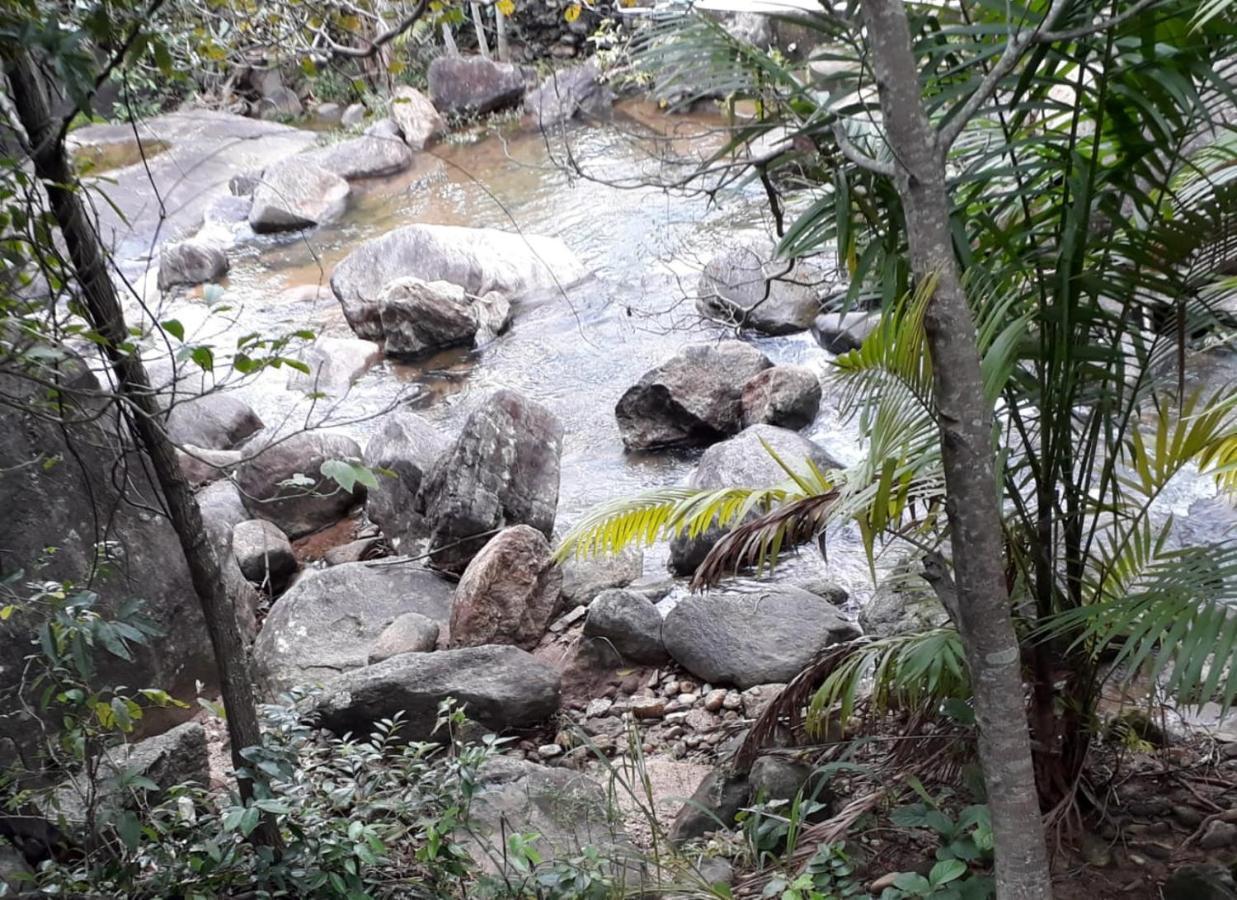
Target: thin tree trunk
pixel 86 252
pixel 448 41
pixel 966 433
pixel 500 34
pixel 479 23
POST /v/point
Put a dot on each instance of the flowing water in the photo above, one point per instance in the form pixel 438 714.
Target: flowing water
pixel 577 352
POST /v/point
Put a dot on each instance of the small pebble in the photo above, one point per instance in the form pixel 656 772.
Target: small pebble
pixel 733 701
pixel 688 699
pixel 714 700
pixel 648 707
pixel 598 707
pixel 549 751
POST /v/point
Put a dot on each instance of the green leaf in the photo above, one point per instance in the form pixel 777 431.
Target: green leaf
pixel 174 328
pixel 945 871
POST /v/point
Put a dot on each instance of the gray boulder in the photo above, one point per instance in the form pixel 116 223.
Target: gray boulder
pixel 409 633
pixel 416 117
pixel 473 85
pixel 190 262
pixel 222 510
pixel 842 332
pixel 282 481
pixel 750 288
pixel 567 93
pixel 479 260
pixel 328 113
pixel 421 317
pixel 367 156
pixel 330 619
pixel 743 461
pixel 280 103
pixel 201 466
pixel 765 635
pixel 904 603
pixel 353 116
pixel 788 396
pixel 509 592
pixel 499 687
pixel 502 470
pixel 297 193
pixel 384 128
pixel 405 446
pixel 692 399
pixel 713 805
pixel 586 577
pixel 263 553
pixel 628 621
pixel 335 364
pixel 1201 881
pixel 214 421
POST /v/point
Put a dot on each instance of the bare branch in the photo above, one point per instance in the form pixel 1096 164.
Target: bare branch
pixel 857 156
pixel 377 43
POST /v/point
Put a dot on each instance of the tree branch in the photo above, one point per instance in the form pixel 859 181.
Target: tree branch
pixel 377 43
pixel 857 156
pixel 1073 34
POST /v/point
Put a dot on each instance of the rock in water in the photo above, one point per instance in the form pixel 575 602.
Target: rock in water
pixel 368 156
pixel 334 365
pixel 416 117
pixel 842 332
pixel 752 638
pixel 566 93
pixel 502 470
pixel 630 622
pixel 420 317
pixel 190 262
pixel 473 85
pixel 747 286
pixel 297 194
pixel 787 396
pixel 509 592
pixel 331 619
pixel 479 260
pixel 692 399
pixel 743 461
pixel 282 481
pixel 406 446
pixel 498 687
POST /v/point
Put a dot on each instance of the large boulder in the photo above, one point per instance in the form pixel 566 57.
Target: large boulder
pixel 843 332
pixel 692 399
pixel 473 85
pixel 788 396
pixel 282 481
pixel 750 288
pixel 743 461
pixel 368 156
pixel 421 317
pixel 329 621
pixel 479 260
pixel 297 193
pixel 201 466
pixel 502 470
pixel 508 593
pixel 334 364
pixel 499 687
pixel 213 421
pixel 745 638
pixel 401 451
pixel 190 262
pixel 566 93
pixel 263 553
pixel 416 117
pixel 630 623
pixel 586 577
pixel 719 797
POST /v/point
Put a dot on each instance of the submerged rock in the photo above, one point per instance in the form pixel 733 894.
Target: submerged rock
pixel 478 260
pixel 297 193
pixel 692 399
pixel 788 396
pixel 335 364
pixel 190 262
pixel 473 85
pixel 499 688
pixel 509 592
pixel 368 156
pixel 416 117
pixel 403 449
pixel 329 621
pixel 748 287
pixel 502 470
pixel 282 481
pixel 755 637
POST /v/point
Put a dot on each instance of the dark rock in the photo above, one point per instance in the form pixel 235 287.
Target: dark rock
pixel 499 688
pixel 329 620
pixel 775 778
pixel 263 553
pixel 190 262
pixel 214 421
pixel 509 592
pixel 368 156
pixel 743 461
pixel 502 470
pixel 355 551
pixel 586 577
pixel 630 622
pixel 405 446
pixel 714 805
pixel 296 194
pixel 748 287
pixel 842 332
pixel 201 466
pixel 473 85
pixel 242 184
pixel 335 364
pixel 903 604
pixel 479 260
pixel 1201 881
pixel 567 93
pixel 421 317
pixel 692 399
pixel 1218 836
pixel 298 509
pixel 416 117
pixel 766 635
pixel 787 396
pixel 409 633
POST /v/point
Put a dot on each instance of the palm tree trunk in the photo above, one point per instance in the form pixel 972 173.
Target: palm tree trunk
pixel 966 432
pixel 106 318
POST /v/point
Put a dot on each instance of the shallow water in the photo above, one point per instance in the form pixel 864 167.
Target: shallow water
pixel 577 352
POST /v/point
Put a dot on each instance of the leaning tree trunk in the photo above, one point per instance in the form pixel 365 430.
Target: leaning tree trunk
pixel 478 22
pixel 966 434
pixel 106 318
pixel 500 34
